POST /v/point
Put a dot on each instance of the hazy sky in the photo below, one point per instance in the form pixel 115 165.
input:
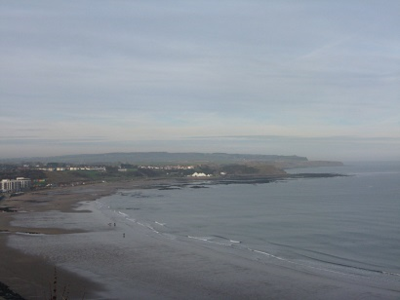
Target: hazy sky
pixel 313 78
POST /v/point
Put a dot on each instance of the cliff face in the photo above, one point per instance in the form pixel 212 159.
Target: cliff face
pixel 263 169
pixel 307 164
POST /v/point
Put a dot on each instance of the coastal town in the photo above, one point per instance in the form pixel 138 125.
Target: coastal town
pixel 19 178
pixel 43 175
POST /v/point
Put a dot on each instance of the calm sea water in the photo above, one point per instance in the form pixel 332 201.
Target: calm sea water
pixel 342 224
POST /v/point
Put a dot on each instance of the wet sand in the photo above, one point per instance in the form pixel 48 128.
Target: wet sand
pixel 32 276
pixel 106 264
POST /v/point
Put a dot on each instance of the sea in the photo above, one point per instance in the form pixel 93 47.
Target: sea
pixel 344 226
pixel 347 224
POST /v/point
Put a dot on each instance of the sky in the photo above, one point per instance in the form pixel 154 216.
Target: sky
pixel 312 78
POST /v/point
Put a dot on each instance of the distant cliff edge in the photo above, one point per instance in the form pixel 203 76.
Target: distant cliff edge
pixel 159 158
pixel 165 158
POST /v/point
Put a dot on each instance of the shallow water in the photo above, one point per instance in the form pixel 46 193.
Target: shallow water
pixel 346 227
pixel 347 223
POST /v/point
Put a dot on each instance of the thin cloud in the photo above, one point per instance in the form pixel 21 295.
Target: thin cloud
pixel 145 71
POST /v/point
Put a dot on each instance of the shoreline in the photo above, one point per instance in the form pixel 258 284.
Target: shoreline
pixel 18 277
pixel 159 268
pixel 29 275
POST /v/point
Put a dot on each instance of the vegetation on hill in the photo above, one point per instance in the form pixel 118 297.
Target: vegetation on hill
pixel 82 169
pixel 32 174
pixel 113 173
pixel 164 158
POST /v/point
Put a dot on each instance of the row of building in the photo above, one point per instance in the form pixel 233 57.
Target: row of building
pixel 173 167
pixel 15 185
pixel 61 169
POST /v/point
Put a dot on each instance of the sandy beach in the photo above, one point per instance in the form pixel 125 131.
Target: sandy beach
pixel 96 259
pixel 32 276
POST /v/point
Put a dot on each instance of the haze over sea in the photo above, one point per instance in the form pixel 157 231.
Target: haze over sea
pixel 347 226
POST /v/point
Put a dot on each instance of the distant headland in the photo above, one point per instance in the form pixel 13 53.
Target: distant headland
pixel 177 158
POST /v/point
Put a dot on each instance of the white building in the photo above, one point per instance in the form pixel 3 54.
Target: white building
pixel 195 174
pixel 15 185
